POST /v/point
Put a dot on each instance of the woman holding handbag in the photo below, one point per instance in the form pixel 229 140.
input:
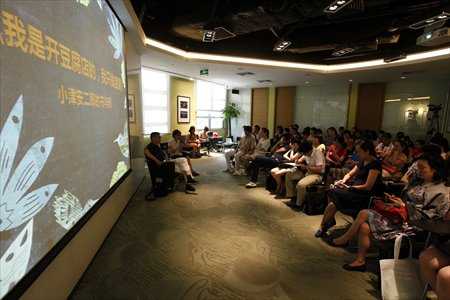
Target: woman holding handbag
pixel 424 198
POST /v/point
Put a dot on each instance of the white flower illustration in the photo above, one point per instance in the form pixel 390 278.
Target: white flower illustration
pixel 16 207
pixel 116 38
pixel 14 261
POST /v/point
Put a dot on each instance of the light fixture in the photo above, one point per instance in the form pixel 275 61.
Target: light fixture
pixel 430 21
pixel 393 100
pixel 281 45
pixel 402 77
pixel 395 57
pixel 208 35
pixel 336 6
pixel 419 98
pixel 342 51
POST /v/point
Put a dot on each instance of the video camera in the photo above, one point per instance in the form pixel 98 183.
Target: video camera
pixel 433 107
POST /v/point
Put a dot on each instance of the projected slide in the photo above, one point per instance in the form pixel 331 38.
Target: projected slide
pixel 64 134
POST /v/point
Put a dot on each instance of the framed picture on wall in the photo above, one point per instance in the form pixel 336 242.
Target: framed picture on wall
pixel 183 112
pixel 131 110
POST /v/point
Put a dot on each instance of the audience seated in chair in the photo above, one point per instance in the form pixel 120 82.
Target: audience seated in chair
pixel 203 138
pixel 424 198
pixel 413 171
pixel 367 183
pixel 318 143
pixel 395 160
pixel 284 168
pixel 193 142
pixel 175 149
pixel 256 133
pixel 156 157
pixel 278 135
pixel 260 149
pixel 245 144
pixel 336 154
pixel 309 172
pixel 385 146
pixel 336 174
pixel 278 150
pixel 330 137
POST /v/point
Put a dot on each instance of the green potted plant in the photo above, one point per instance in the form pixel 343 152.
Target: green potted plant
pixel 230 111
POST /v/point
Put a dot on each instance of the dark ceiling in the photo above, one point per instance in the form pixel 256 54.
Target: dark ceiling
pixel 372 29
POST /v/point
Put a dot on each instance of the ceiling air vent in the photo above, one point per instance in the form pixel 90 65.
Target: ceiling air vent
pixel 222 34
pixel 245 73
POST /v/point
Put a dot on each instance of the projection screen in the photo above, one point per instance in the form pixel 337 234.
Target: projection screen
pixel 64 134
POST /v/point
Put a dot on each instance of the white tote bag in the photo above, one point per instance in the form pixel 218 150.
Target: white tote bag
pixel 400 278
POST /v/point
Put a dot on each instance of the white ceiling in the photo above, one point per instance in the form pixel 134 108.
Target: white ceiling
pixel 225 73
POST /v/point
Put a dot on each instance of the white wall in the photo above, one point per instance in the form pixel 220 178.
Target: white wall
pixel 243 102
pixel 395 115
pixel 321 106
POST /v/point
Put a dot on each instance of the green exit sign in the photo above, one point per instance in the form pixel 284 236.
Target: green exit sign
pixel 204 72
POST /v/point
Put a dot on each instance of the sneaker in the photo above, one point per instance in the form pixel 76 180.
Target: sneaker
pixel 189 188
pixel 237 173
pixel 251 184
pixel 227 170
pixel 195 174
pixel 192 181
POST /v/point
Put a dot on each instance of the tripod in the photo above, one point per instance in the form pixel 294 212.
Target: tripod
pixel 433 125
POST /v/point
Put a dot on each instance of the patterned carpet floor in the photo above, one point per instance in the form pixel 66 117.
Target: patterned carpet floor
pixel 223 242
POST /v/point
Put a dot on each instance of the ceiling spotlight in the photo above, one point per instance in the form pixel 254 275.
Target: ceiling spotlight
pixel 208 36
pixel 342 51
pixel 430 21
pixel 336 5
pixel 281 45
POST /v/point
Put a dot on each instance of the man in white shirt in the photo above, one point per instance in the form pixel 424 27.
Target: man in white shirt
pixel 245 145
pixel 260 150
pixel 385 147
pixel 175 149
pixel 313 162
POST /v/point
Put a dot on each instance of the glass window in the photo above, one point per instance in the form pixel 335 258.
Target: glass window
pixel 210 101
pixel 155 101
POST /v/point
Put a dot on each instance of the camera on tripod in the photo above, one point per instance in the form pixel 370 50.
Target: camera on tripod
pixel 433 107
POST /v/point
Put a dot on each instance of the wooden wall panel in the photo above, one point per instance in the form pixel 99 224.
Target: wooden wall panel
pixel 284 107
pixel 369 112
pixel 260 105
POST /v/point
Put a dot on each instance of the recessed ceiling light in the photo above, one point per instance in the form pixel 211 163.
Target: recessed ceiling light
pixel 402 77
pixel 307 82
pixel 350 80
